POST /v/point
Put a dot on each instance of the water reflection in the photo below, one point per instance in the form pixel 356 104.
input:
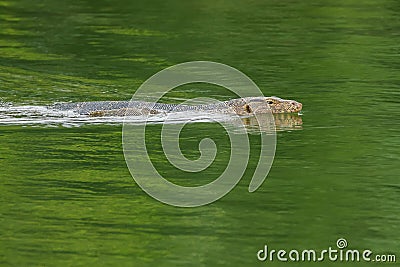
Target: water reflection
pixel 283 122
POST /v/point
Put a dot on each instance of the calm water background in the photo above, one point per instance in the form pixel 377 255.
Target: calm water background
pixel 67 197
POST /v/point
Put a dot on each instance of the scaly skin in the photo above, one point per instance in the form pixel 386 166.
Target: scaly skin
pixel 241 106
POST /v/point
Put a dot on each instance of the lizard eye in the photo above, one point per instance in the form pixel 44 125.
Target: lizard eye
pixel 269 102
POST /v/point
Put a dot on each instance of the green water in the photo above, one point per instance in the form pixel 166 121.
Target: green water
pixel 67 197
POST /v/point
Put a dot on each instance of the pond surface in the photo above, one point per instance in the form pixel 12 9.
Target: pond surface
pixel 67 197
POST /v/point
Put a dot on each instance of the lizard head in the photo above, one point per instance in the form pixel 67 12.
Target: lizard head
pixel 275 105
